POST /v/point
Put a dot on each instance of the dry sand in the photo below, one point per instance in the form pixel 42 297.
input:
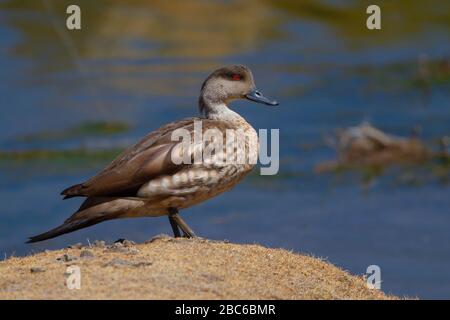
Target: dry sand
pixel 168 268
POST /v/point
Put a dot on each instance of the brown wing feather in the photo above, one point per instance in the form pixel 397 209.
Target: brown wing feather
pixel 146 160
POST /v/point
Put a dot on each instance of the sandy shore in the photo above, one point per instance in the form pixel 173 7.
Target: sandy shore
pixel 167 268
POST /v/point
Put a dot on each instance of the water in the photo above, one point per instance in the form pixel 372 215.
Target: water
pixel 71 100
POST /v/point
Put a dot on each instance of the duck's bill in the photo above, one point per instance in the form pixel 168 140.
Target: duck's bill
pixel 257 96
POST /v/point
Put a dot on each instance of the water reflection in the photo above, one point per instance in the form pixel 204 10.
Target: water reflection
pixel 140 30
pixel 403 19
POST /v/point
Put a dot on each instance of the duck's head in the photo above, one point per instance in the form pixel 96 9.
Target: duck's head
pixel 230 83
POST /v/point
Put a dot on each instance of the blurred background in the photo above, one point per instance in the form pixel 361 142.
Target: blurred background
pixel 70 101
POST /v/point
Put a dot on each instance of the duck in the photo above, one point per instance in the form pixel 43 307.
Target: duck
pixel 145 181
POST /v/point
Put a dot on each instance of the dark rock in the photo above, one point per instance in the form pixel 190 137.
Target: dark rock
pixel 37 270
pixel 125 242
pixel 86 254
pixel 66 258
pixel 123 247
pixel 142 264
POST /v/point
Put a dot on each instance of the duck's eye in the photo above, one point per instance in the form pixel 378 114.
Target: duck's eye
pixel 236 77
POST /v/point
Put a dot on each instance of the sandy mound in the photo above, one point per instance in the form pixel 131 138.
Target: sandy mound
pixel 167 268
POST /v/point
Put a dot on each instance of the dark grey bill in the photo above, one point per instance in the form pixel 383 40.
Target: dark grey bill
pixel 257 96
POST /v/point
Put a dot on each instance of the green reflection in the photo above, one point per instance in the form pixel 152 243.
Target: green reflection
pixel 98 128
pixel 68 157
pixel 401 19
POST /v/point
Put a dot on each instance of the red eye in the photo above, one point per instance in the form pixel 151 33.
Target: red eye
pixel 236 77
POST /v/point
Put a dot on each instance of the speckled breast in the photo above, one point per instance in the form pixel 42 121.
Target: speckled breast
pixel 199 182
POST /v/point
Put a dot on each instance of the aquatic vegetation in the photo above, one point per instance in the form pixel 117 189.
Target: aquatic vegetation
pixel 401 18
pixel 50 157
pixel 370 151
pixel 368 145
pixel 421 73
pixel 98 128
pixel 440 167
pixel 432 72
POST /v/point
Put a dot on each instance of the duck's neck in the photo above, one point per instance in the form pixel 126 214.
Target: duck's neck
pixel 217 110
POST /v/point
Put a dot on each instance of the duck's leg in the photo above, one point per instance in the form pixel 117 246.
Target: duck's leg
pixel 176 218
pixel 174 225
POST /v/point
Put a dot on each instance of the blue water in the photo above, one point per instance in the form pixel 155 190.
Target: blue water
pixel 142 64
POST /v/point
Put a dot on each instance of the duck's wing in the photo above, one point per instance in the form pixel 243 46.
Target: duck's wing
pixel 146 160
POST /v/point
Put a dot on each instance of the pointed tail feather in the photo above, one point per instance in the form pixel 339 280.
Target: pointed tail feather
pixel 74 191
pixel 92 211
pixel 66 227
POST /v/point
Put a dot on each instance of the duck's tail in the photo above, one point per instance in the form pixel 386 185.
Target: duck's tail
pixel 66 227
pixel 74 191
pixel 92 211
